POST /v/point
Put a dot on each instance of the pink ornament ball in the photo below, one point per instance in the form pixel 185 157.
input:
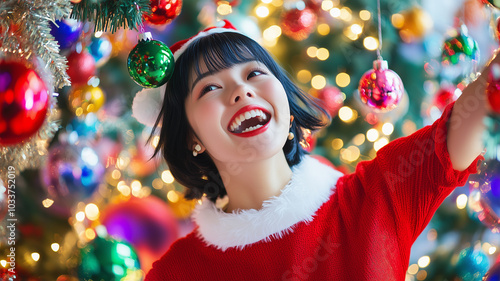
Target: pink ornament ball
pixel 380 88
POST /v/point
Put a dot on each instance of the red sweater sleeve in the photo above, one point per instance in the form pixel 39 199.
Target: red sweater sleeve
pixel 407 181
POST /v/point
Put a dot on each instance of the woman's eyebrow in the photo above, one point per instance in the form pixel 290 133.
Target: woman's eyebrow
pixel 201 76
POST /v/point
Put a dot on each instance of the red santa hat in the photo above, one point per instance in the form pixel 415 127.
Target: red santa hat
pixel 147 103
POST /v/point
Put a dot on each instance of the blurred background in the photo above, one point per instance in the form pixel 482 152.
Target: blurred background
pixel 89 204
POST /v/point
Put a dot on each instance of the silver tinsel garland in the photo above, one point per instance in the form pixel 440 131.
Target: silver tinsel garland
pixel 25 37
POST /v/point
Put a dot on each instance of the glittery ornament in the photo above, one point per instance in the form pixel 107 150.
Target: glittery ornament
pixel 417 23
pixel 331 98
pixel 472 264
pixel 66 32
pixel 163 11
pixel 108 259
pixel 24 100
pixel 85 98
pixel 71 174
pixel 484 196
pixel 148 224
pixel 100 48
pixel 150 63
pixel 298 24
pixel 81 66
pixel 459 48
pixel 380 88
pixel 493 88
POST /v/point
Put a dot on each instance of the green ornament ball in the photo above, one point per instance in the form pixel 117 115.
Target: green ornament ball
pixel 150 63
pixel 108 259
pixel 459 48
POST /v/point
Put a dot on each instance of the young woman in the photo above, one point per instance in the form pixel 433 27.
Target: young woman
pixel 231 124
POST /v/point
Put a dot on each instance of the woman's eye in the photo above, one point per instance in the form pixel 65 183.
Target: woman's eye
pixel 255 73
pixel 208 89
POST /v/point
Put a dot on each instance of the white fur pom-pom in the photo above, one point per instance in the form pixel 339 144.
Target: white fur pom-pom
pixel 147 105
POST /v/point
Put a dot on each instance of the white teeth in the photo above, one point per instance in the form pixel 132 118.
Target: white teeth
pixel 247 115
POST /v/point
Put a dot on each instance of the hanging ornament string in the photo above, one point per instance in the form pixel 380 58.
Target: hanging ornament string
pixel 379 15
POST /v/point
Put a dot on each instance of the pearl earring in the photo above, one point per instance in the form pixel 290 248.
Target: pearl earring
pixel 197 149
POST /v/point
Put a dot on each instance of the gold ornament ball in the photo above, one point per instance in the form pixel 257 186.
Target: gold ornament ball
pixel 85 99
pixel 417 23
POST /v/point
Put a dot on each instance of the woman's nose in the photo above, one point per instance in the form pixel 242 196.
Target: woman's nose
pixel 241 92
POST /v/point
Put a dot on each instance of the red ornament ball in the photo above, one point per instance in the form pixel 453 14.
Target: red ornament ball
pixel 331 98
pixel 298 24
pixel 493 88
pixel 81 66
pixel 446 95
pixel 163 11
pixel 24 100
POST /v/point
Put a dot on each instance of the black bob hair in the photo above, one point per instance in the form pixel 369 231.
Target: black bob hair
pixel 221 51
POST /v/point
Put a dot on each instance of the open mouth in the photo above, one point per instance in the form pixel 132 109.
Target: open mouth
pixel 249 119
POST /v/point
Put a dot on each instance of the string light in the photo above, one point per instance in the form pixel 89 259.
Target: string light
pixel 337 144
pixel 92 211
pixel 356 29
pixel 359 139
pixel 272 32
pixel 335 12
pixel 343 79
pixel 322 54
pixel 365 15
pixel 312 51
pixel 80 216
pixel 345 14
pixel 3 263
pixel 326 5
pixel 172 196
pixel 387 129
pixel 47 202
pixel 347 114
pixel 380 143
pixel 157 183
pixel 55 247
pixel 224 9
pixel 372 135
pixel 397 20
pixel 318 82
pixel 370 43
pixel 413 269
pixel 424 261
pixel 323 29
pixel 262 11
pixel 304 76
pixel 116 174
pixel 167 177
pixel 461 201
pixel 35 256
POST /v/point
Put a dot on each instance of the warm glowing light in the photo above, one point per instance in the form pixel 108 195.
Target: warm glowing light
pixel 262 11
pixel 155 141
pixel 380 143
pixel 80 216
pixel 413 269
pixel 136 185
pixel 335 12
pixel 224 9
pixel 47 202
pixel 370 43
pixel 372 135
pixel 35 256
pixel 3 263
pixel 492 250
pixel 409 127
pixel 172 196
pixel 323 29
pixel 387 128
pixel 432 235
pixel 461 201
pixel 398 20
pixel 272 32
pixel 350 154
pixel 345 14
pixel 337 144
pixel 326 5
pixel 318 82
pixel 92 211
pixel 157 183
pixel 365 15
pixel 98 34
pixel 323 54
pixel 116 174
pixel 343 79
pixel 359 139
pixel 89 233
pixel 54 247
pixel 167 176
pixel 304 76
pixel 424 261
pixel 421 275
pixel 312 51
pixel 345 114
pixel 356 29
pixel 266 1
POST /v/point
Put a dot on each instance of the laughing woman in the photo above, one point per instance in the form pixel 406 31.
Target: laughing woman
pixel 231 124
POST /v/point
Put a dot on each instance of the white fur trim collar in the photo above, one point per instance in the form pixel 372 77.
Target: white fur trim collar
pixel 311 185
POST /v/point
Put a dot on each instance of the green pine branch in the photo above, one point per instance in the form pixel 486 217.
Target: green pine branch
pixel 110 15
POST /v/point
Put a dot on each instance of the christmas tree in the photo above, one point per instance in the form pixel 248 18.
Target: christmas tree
pixel 82 200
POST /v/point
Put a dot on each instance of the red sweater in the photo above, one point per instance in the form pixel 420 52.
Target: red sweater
pixel 362 229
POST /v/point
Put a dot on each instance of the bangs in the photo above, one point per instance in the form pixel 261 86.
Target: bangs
pixel 212 54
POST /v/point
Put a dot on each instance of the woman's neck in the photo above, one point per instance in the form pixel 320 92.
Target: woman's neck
pixel 248 185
